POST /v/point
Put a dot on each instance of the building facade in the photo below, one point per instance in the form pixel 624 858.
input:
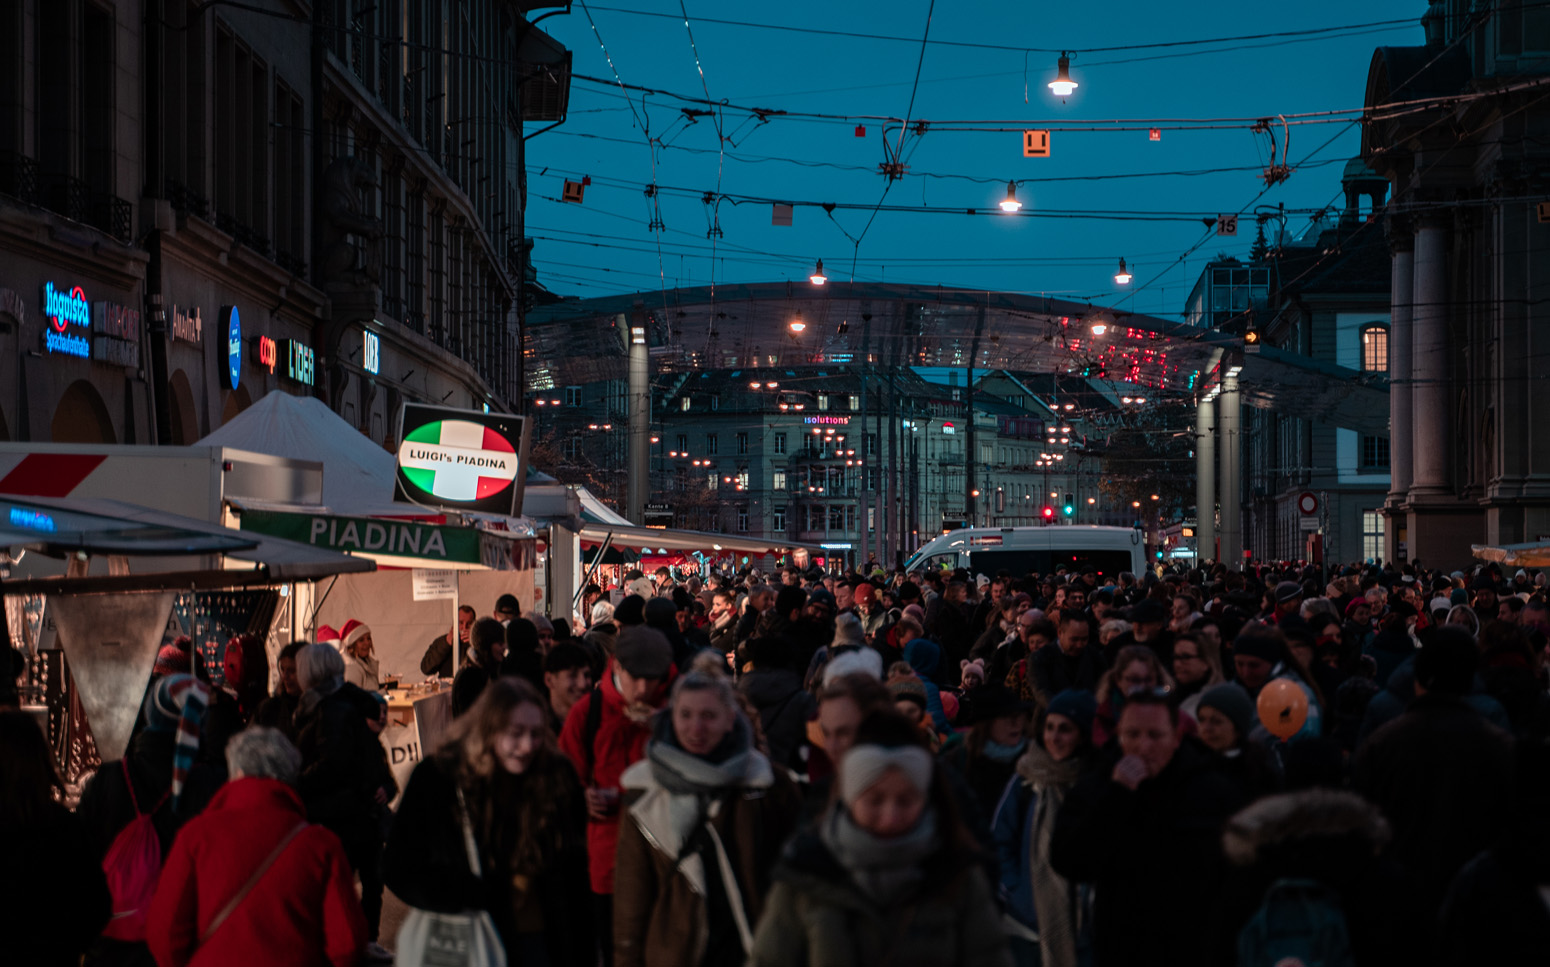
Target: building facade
pixel 203 203
pixel 1470 272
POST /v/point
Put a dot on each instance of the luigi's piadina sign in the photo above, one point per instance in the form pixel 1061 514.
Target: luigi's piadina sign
pixel 461 460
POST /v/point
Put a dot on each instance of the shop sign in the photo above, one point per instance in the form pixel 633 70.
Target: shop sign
pixel 461 459
pixel 367 535
pixel 12 305
pixel 116 339
pixel 231 325
pixel 300 361
pixel 64 309
pixel 187 326
pixel 266 351
pixel 371 351
pixel 826 420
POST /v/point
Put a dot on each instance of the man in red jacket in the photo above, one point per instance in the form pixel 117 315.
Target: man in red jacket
pixel 248 881
pixel 605 740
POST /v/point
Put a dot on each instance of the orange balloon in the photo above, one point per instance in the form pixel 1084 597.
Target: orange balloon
pixel 1283 708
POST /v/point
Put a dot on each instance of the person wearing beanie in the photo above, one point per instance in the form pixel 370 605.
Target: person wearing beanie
pixel 774 686
pixel 1440 772
pixel 1226 718
pixel 631 611
pixel 174 658
pixel 885 874
pixel 1041 905
pixel 160 774
pixel 986 755
pixel 1261 655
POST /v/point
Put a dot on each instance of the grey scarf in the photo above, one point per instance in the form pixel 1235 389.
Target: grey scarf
pixel 886 870
pixel 685 774
pixel 1054 903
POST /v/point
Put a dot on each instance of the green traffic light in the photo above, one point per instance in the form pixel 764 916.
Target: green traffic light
pixel 1070 510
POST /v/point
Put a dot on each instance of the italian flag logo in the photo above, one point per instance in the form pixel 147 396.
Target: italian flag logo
pixel 457 460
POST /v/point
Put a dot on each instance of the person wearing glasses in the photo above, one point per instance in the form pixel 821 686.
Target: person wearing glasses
pixel 1197 666
pixel 1136 669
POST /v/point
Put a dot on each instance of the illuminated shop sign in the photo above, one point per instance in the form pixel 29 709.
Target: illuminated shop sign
pixel 300 362
pixel 231 325
pixel 826 420
pixel 116 334
pixel 461 459
pixel 187 326
pixel 65 309
pixel 371 351
pixel 266 351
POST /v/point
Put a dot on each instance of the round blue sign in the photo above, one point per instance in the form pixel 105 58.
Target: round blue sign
pixel 233 328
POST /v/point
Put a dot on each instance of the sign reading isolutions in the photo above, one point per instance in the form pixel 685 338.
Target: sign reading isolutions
pixel 461 459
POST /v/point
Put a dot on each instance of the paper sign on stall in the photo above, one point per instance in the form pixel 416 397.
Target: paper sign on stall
pixel 434 585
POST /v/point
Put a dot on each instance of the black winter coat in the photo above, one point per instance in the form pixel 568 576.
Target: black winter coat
pixel 1154 857
pixel 1051 672
pixel 1443 777
pixel 784 708
pixel 341 766
pixel 426 864
pixel 53 897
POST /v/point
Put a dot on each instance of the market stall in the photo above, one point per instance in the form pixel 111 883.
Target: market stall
pixel 90 634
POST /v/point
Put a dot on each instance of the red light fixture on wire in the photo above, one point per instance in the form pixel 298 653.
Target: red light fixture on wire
pixel 818 278
pixel 1010 203
pixel 1063 85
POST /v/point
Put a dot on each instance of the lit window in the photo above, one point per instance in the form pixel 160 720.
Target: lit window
pixel 1372 536
pixel 855 403
pixel 683 404
pixel 823 401
pixel 779 480
pixel 1375 349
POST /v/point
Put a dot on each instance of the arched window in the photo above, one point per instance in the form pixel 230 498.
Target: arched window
pixel 1375 348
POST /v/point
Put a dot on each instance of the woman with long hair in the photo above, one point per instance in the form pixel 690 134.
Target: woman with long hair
pixel 53 897
pixel 1197 666
pixel 499 770
pixel 705 817
pixel 888 874
pixel 1041 905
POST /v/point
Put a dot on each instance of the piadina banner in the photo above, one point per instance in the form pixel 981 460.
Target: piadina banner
pixel 461 460
pixel 370 536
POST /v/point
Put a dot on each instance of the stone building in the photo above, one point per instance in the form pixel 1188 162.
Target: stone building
pixel 200 203
pixel 1461 131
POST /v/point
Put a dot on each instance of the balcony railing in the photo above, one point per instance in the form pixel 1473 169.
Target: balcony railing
pixel 18 177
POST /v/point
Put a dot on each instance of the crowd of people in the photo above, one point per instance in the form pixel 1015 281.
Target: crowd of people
pixel 1202 766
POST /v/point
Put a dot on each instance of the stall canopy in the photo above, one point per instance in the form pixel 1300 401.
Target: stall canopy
pixel 652 541
pixel 1536 554
pixel 111 528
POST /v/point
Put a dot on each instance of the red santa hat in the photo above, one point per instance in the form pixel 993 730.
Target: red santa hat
pixel 352 632
pixel 327 634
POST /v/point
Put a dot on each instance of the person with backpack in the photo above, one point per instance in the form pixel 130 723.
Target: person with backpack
pixel 133 807
pixel 605 733
pixel 341 776
pixel 249 880
pixel 54 899
pixel 498 770
pixel 1308 883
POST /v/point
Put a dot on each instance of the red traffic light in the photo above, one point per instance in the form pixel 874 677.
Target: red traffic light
pixel 1049 513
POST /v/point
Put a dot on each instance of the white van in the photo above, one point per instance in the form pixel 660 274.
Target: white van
pixel 1019 550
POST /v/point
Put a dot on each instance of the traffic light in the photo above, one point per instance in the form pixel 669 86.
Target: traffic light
pixel 1049 513
pixel 1070 506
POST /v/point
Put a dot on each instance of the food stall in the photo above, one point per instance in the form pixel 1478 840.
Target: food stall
pixel 90 588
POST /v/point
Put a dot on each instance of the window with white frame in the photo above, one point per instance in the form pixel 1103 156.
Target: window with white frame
pixel 823 401
pixel 573 396
pixel 683 404
pixel 1372 535
pixel 778 520
pixel 742 519
pixel 742 443
pixel 711 446
pixel 780 443
pixel 683 442
pixel 855 403
pixel 778 481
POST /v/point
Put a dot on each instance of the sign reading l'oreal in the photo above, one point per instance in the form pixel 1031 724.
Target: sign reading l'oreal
pixel 461 459
pixel 64 309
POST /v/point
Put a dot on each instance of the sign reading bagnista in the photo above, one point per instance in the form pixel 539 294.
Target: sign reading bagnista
pixel 461 459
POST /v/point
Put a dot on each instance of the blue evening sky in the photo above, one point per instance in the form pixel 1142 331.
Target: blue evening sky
pixel 604 246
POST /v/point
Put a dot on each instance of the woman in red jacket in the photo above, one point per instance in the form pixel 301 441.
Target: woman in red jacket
pixel 249 881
